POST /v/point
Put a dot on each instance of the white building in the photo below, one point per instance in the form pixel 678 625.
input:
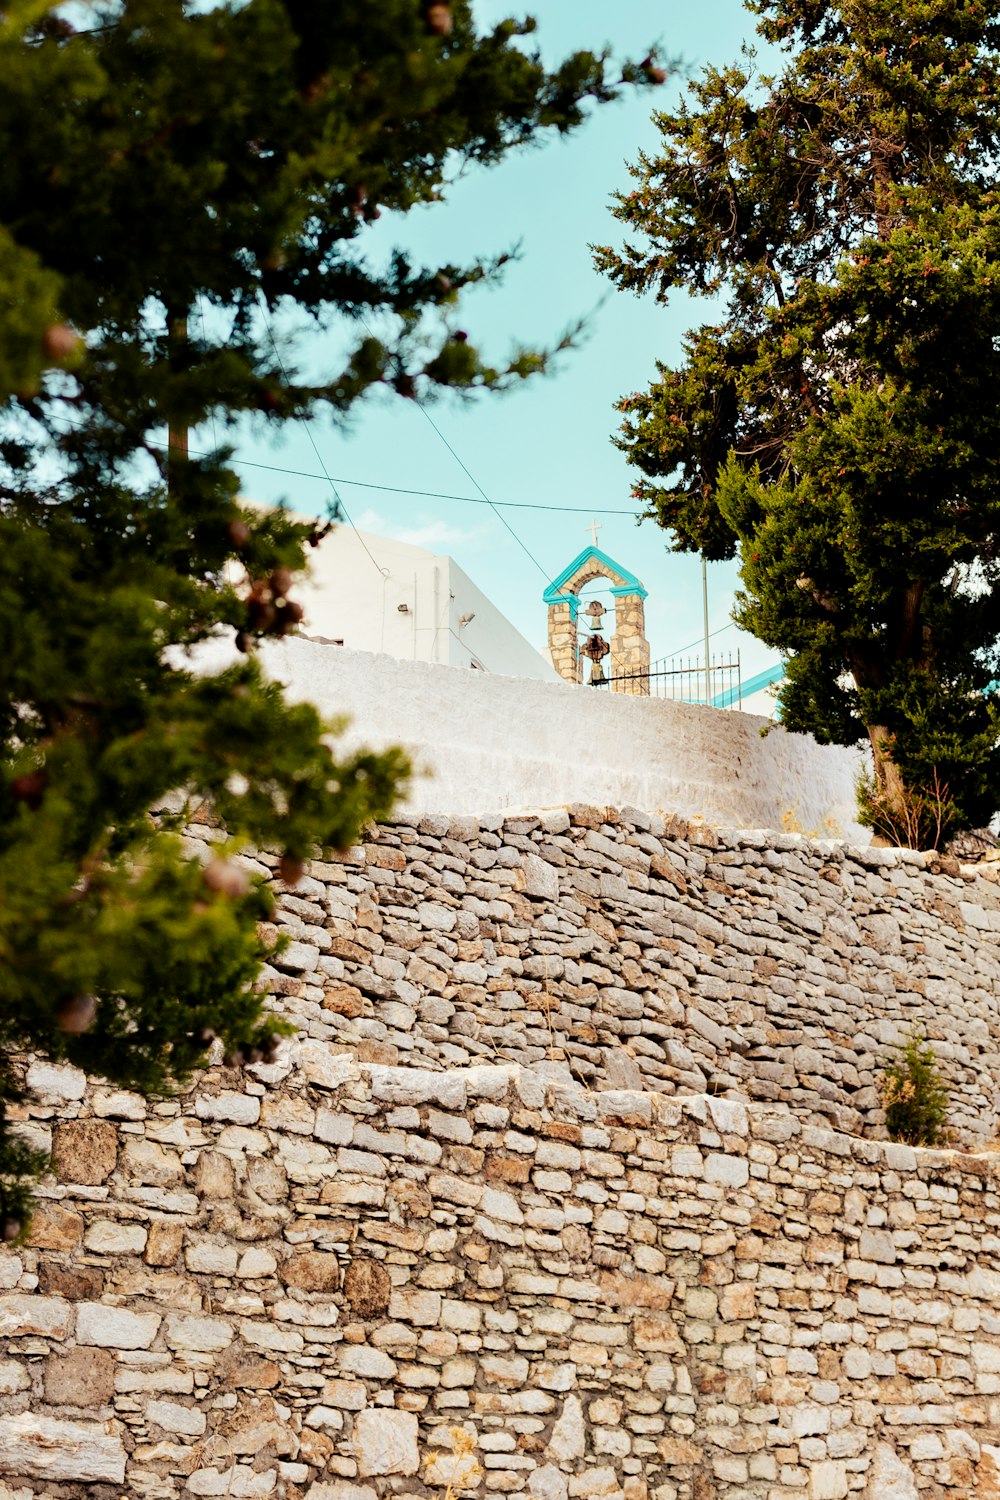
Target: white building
pixel 370 593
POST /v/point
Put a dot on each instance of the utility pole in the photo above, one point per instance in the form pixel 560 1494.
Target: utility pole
pixel 704 601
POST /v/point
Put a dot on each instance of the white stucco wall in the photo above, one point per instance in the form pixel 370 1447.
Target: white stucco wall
pixel 377 594
pixel 487 743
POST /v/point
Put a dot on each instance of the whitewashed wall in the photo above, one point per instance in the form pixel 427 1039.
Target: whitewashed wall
pixel 378 594
pixel 489 743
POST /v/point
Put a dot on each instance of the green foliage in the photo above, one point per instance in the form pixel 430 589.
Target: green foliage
pixel 834 422
pixel 913 1095
pixel 228 158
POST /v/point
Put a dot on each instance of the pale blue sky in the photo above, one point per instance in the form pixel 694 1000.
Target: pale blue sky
pixel 548 442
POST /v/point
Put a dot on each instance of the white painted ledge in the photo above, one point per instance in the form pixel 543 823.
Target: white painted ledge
pixel 485 744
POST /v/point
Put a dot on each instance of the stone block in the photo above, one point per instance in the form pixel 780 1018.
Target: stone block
pixel 163 1243
pixel 311 1271
pixel 367 1363
pixel 240 1370
pixel 268 1179
pixel 621 1290
pixel 323 1067
pixel 455 1473
pixel 738 1301
pixel 344 1000
pixel 679 1450
pixel 367 1287
pixel 239 1482
pixel 416 1086
pixel 204 1256
pixel 214 1176
pixel 85 1151
pixel 14 1377
pixel 55 1083
pixel 146 1162
pixel 438 918
pixel 657 1335
pixel 569 1435
pixel 540 879
pixel 877 1245
pixel 234 1108
pixel 115 1327
pixel 54 1227
pixel 76 1283
pixel 256 1262
pixel 413 1305
pixel 108 1237
pixel 118 1104
pixel 339 1489
pixel 300 958
pixel 23 1315
pixel 986 1358
pixel 200 1335
pixel 38 1447
pixel 274 1338
pixel 385 1442
pixel 175 1417
pixel 987 1477
pixel 727 1171
pixel 80 1377
pixel 889 1478
pixel 729 1116
pixel 547 1483
pixel 348 1395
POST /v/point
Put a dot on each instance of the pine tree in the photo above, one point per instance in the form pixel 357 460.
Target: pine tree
pixel 834 421
pixel 165 161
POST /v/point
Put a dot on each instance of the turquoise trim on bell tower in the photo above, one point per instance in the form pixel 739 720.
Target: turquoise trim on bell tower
pixel 629 585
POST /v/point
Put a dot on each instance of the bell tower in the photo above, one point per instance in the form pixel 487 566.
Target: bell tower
pixel 622 664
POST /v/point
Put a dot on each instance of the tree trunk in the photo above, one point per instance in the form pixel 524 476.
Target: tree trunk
pixel 177 433
pixel 888 779
pixel 896 826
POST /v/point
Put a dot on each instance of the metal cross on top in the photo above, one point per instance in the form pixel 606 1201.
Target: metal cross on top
pixel 593 528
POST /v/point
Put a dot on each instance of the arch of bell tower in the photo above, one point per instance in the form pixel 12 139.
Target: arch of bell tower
pixel 628 668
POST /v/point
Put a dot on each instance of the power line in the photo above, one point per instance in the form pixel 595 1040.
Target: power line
pixel 328 478
pixel 472 478
pixel 698 642
pixel 395 489
pixel 467 471
pixel 469 475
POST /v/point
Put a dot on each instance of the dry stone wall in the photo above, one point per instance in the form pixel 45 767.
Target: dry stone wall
pixel 643 953
pixel 545 1199
pixel 305 1280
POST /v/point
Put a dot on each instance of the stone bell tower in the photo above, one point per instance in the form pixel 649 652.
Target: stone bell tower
pixel 622 664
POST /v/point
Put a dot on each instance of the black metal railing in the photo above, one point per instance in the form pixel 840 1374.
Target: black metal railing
pixel 721 686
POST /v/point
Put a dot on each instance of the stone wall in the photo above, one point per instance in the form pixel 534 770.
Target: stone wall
pixel 317 1278
pixel 564 641
pixel 546 1175
pixel 482 742
pixel 632 953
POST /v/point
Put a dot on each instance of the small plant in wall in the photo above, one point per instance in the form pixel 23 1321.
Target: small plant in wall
pixel 914 1095
pixel 457 1471
pixel 917 817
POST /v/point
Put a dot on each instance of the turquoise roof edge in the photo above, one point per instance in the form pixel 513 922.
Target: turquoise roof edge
pixel 554 595
pixel 767 678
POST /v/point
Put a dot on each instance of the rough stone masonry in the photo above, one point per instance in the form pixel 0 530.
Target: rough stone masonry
pixel 573 1156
